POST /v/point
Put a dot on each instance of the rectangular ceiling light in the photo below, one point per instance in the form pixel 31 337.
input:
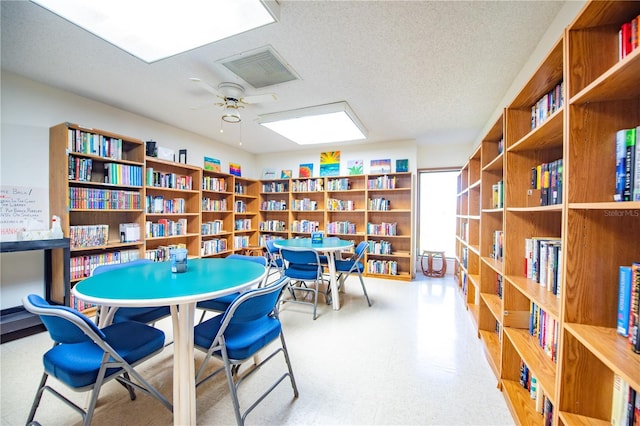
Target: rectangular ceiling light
pixel 152 30
pixel 318 124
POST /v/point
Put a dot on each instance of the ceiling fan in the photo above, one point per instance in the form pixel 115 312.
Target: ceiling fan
pixel 232 98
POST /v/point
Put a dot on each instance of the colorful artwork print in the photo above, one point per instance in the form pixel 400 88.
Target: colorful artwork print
pixel 330 163
pixel 234 169
pixel 286 174
pixel 212 164
pixel 380 166
pixel 402 165
pixel 306 170
pixel 355 167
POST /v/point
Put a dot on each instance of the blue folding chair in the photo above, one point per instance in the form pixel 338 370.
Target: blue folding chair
pixel 248 325
pixel 276 264
pixel 84 357
pixel 220 304
pixel 303 267
pixel 147 315
pixel 355 264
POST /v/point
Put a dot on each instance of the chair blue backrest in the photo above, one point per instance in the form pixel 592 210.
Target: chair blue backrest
pixel 261 260
pixel 254 304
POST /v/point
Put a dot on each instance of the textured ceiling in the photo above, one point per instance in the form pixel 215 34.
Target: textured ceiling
pixel 433 71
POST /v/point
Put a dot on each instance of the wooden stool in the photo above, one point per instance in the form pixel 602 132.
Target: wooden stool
pixel 430 272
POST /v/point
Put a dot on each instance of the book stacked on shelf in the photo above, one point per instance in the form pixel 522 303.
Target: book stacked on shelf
pixel 627 165
pixel 382 267
pixel 547 105
pixel 275 187
pixel 80 169
pixel 241 241
pixel 341 184
pixel 162 253
pixel 94 144
pixel 309 185
pixel 530 383
pixel 379 204
pixel 273 205
pixel 158 204
pixel 242 225
pixel 212 227
pixel 103 199
pixel 543 262
pixel 379 247
pixel 628 37
pixel 168 180
pixel 625 403
pixel 341 227
pixel 547 178
pixel 273 226
pixel 497 192
pixel 333 204
pixel 382 182
pixel 545 328
pixel 306 204
pixel 240 206
pixel 83 266
pixel 384 228
pixel 628 320
pixel 499 285
pixel 304 225
pixel 166 228
pixel 214 205
pixel 217 245
pixel 122 174
pixel 210 183
pixel 85 236
pixel 496 248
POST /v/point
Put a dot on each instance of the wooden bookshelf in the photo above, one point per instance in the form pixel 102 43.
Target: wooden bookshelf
pixel 217 214
pixel 345 206
pixel 179 183
pixel 601 96
pixel 96 178
pixel 246 214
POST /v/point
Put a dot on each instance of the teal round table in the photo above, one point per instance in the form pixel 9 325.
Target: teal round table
pixel 155 285
pixel 329 246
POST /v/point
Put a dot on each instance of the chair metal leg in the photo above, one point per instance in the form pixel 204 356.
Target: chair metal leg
pixel 364 289
pixel 38 397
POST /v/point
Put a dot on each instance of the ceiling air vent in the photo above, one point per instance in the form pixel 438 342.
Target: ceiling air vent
pixel 260 68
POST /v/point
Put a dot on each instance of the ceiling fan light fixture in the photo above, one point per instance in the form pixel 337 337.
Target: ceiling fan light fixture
pixel 231 114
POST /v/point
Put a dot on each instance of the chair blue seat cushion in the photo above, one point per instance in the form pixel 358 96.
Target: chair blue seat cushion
pixel 243 339
pixel 144 315
pixel 346 265
pixel 218 304
pixel 302 271
pixel 77 364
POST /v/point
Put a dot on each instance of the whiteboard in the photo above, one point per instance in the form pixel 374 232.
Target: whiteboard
pixel 19 205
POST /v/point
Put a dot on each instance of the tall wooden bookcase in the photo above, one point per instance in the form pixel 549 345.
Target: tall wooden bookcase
pixel 95 180
pixel 245 213
pixel 601 96
pixel 349 207
pixel 217 214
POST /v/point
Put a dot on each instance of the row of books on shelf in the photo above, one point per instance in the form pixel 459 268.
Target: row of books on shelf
pixel 275 187
pixel 103 199
pixel 273 205
pixel 334 204
pixel 379 247
pixel 242 225
pixel 309 185
pixel 80 169
pixel 382 267
pixel 497 195
pixel 122 174
pixel 239 206
pixel 162 253
pixel 545 329
pixel 547 179
pixel 628 319
pixel 384 228
pixel 241 241
pixel 628 37
pixel 382 182
pixel 501 146
pixel 273 226
pixel 341 184
pixel 83 266
pixel 210 183
pixel 212 227
pixel 306 204
pixel 341 227
pixel 543 404
pixel 543 262
pixel 379 204
pixel 94 144
pixel 79 304
pixel 158 204
pixel 239 188
pixel 168 180
pixel 214 205
pixel 304 225
pixel 627 165
pixel 216 245
pixel 547 105
pixel 625 403
pixel 165 228
pixel 499 285
pixel 497 246
pixel 82 236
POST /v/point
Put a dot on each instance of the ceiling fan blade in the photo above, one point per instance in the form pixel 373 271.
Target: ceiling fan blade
pixel 206 86
pixel 259 99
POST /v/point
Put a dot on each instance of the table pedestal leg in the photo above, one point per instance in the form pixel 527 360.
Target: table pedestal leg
pixel 332 280
pixel 184 389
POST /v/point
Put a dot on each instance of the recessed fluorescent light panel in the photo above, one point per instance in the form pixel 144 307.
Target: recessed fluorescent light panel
pixel 319 124
pixel 156 29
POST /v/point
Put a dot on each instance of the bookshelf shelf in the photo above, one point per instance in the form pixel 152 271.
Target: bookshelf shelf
pixel 341 203
pixel 601 95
